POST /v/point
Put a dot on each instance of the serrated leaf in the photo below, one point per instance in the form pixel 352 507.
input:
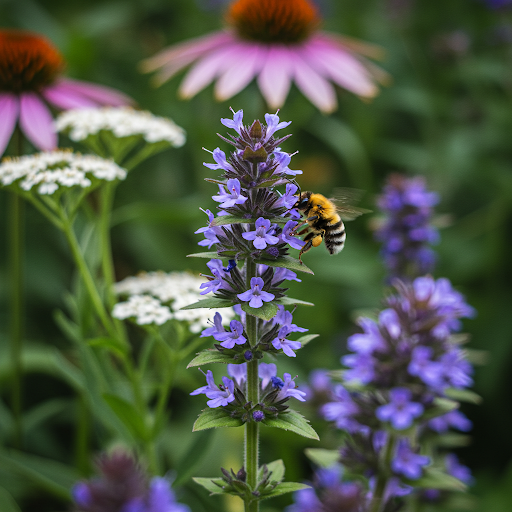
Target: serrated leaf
pixel 128 414
pixel 464 395
pixel 210 356
pixel 215 418
pixel 267 311
pixel 284 488
pixel 293 421
pixel 208 255
pixel 289 301
pixel 286 262
pixel 276 467
pixel 233 219
pixel 304 340
pixel 441 406
pixel 208 484
pixel 436 479
pixel 322 457
pixel 212 302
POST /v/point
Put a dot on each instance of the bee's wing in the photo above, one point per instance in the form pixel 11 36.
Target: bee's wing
pixel 344 198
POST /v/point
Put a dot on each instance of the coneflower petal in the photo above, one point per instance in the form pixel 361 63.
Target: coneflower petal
pixel 244 66
pixel 36 121
pixel 100 94
pixel 276 76
pixel 9 110
pixel 62 97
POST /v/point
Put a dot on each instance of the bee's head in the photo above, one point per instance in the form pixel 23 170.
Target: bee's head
pixel 302 200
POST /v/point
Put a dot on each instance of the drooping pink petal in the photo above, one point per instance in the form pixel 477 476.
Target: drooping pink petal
pixel 340 66
pixel 245 64
pixel 313 85
pixel 100 94
pixel 62 96
pixel 207 69
pixel 9 110
pixel 36 121
pixel 275 78
pixel 175 58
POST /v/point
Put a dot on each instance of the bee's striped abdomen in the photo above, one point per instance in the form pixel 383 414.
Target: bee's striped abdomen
pixel 335 235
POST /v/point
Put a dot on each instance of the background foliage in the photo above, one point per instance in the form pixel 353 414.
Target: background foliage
pixel 446 115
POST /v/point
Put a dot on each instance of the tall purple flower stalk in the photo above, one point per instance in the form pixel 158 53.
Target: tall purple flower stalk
pixel 252 236
pixel 407 233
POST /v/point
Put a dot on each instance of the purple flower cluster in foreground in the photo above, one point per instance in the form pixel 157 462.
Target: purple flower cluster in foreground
pixel 231 394
pixel 407 232
pixel 122 486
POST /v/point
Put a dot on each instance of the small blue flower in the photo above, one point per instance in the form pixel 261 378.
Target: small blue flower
pixel 229 339
pixel 81 494
pixel 288 238
pixel 265 372
pixel 287 388
pixel 238 372
pixel 401 411
pixel 237 122
pixel 283 161
pixel 273 125
pixel 214 282
pixel 160 498
pixel 263 235
pixel 216 329
pixel 282 343
pixel 231 195
pixel 362 368
pixel 422 366
pixel 219 396
pixel 455 419
pixel 256 296
pixel 285 319
pixel 288 199
pixel 342 410
pixel 408 463
pixel 283 274
pixel 220 157
pixel 458 470
pixel 368 342
pixel 258 416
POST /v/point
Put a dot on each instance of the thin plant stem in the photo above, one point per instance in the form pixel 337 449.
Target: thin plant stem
pixel 16 223
pixel 377 504
pixel 251 441
pixel 107 266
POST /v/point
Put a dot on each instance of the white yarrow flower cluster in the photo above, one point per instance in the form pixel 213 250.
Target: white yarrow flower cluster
pixel 177 289
pixel 53 169
pixel 144 308
pixel 122 122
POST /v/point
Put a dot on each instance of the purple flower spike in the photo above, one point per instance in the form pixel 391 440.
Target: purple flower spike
pixel 401 412
pixel 262 236
pixel 422 366
pixel 288 238
pixel 287 346
pixel 229 339
pixel 232 196
pixel 408 463
pixel 256 296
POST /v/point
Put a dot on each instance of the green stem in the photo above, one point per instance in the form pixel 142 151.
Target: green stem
pixel 82 435
pixel 377 504
pixel 251 441
pixel 16 229
pixel 107 265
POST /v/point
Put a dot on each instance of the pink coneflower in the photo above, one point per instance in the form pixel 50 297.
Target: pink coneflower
pixel 278 42
pixel 30 68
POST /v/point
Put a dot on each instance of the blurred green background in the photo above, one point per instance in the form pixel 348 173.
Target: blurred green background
pixel 446 115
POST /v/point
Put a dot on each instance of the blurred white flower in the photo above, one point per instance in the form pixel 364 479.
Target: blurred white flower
pixel 144 308
pixel 175 289
pixel 122 122
pixel 53 169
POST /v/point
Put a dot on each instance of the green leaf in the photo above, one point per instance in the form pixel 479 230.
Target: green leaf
pixel 293 421
pixel 322 457
pixel 284 488
pixel 441 406
pixel 276 467
pixel 232 219
pixel 208 255
pixel 208 484
pixel 266 312
pixel 128 414
pixel 194 455
pixel 304 340
pixel 286 262
pixel 215 418
pixel 434 478
pixel 464 395
pixel 288 301
pixel 49 474
pixel 453 440
pixel 110 344
pixel 7 502
pixel 212 302
pixel 210 355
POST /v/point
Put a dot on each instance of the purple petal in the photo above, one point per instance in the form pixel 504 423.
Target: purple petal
pixel 275 78
pixel 9 110
pixel 100 94
pixel 61 96
pixel 36 121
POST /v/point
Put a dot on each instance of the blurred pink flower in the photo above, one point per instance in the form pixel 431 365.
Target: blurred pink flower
pixel 30 68
pixel 276 41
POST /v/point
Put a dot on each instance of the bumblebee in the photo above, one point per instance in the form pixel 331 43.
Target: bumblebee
pixel 324 219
